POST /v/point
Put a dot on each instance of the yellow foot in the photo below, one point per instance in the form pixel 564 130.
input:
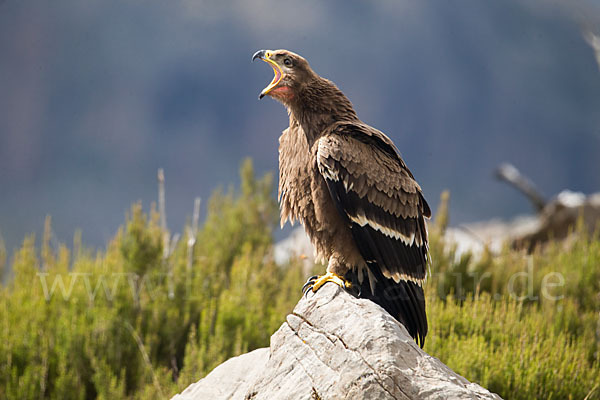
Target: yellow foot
pixel 315 282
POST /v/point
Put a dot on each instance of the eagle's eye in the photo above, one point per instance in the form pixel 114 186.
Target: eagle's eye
pixel 287 62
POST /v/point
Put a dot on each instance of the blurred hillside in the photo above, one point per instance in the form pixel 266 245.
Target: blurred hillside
pixel 97 94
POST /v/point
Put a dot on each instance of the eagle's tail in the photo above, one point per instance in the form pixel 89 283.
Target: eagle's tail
pixel 404 300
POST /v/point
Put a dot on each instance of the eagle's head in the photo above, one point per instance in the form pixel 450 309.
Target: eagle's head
pixel 292 73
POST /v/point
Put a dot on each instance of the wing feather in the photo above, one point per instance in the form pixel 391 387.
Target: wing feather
pixel 377 194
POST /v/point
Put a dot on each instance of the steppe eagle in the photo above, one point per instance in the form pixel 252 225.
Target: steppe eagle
pixel 346 182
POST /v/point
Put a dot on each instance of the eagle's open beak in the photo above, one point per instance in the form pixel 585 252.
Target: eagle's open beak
pixel 265 55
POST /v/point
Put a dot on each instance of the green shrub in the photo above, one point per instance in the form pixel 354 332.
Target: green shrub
pixel 526 326
pixel 146 317
pixel 518 351
pixel 133 321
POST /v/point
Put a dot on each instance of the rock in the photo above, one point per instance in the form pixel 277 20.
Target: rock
pixel 229 380
pixel 335 346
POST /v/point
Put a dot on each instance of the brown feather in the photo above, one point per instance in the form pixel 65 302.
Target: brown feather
pixel 360 205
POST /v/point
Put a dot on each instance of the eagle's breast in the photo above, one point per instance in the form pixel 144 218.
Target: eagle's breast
pixel 294 175
pixel 304 197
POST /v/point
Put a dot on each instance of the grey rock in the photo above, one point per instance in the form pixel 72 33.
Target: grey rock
pixel 229 380
pixel 335 346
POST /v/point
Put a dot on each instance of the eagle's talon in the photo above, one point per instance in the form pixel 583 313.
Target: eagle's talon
pixel 315 282
pixel 309 283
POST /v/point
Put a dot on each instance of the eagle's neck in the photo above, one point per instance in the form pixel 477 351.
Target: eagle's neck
pixel 318 105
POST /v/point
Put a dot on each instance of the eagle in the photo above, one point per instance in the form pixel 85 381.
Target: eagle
pixel 347 184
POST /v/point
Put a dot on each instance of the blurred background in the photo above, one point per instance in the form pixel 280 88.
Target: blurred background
pixel 96 95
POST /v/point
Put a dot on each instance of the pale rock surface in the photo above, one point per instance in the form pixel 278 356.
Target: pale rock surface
pixel 335 346
pixel 229 380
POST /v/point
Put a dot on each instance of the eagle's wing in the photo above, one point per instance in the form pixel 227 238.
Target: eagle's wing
pixel 372 187
pixel 384 207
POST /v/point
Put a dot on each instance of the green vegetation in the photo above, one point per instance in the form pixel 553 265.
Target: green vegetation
pixel 523 326
pixel 143 320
